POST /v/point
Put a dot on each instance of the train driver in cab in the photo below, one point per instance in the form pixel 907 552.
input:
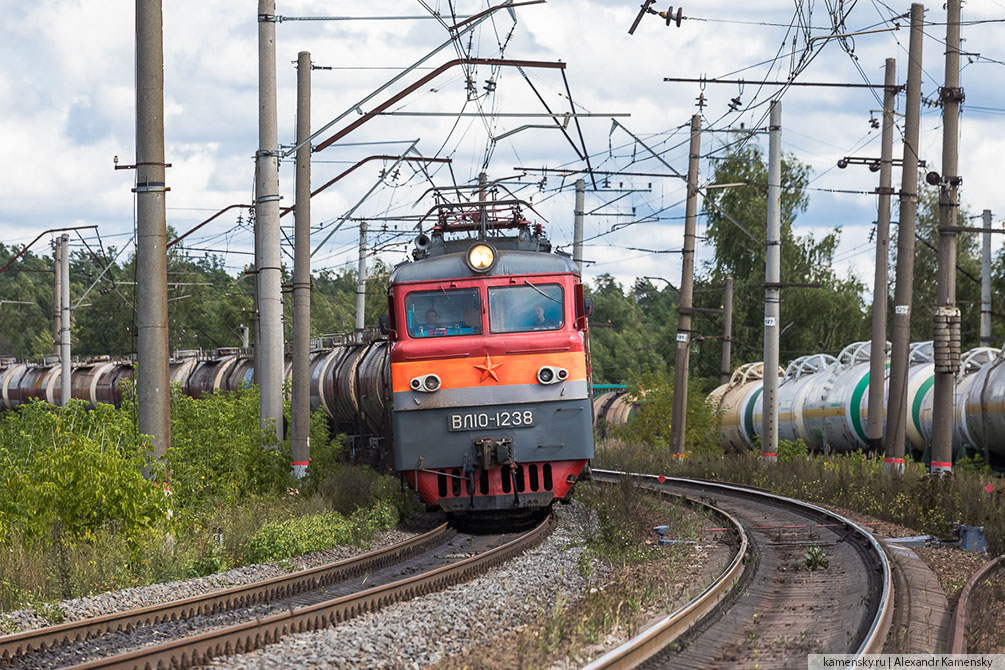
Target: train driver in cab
pixel 431 325
pixel 541 320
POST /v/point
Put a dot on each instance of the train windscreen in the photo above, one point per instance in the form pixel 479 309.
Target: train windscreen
pixel 443 313
pixel 531 307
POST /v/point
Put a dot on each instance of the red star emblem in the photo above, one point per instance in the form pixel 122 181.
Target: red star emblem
pixel 488 369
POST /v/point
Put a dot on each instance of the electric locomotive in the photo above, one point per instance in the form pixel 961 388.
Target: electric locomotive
pixel 490 371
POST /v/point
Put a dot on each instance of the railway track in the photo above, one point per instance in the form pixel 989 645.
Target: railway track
pixel 245 618
pixel 973 592
pixel 763 611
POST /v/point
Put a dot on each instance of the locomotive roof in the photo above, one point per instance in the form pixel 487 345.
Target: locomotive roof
pixel 510 262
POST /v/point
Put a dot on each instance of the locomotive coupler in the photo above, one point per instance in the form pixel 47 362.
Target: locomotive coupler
pixel 491 452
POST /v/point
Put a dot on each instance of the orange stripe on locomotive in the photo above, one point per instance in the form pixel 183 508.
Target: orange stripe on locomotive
pixel 516 369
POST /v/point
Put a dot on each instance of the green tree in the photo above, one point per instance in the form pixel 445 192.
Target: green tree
pixel 622 344
pixel 26 298
pixel 837 309
pixel 650 422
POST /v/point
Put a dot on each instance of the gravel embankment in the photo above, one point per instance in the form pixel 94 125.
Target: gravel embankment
pixel 143 596
pixel 422 631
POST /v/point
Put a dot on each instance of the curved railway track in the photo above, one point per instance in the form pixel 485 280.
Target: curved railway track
pixel 762 610
pixel 972 591
pixel 305 601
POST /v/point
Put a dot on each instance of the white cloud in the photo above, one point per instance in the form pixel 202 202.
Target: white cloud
pixel 67 106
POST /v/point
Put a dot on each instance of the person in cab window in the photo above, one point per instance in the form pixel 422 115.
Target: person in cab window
pixel 472 319
pixel 430 326
pixel 541 321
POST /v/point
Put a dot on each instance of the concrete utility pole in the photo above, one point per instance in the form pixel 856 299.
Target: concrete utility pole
pixel 947 314
pixel 57 297
pixel 900 322
pixel 152 390
pixel 64 321
pixel 267 258
pixel 986 281
pixel 727 333
pixel 678 413
pixel 300 410
pixel 877 358
pixel 256 376
pixel 772 288
pixel 577 227
pixel 361 279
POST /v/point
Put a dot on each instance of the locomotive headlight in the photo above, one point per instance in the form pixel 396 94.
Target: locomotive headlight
pixel 481 257
pixel 551 375
pixel 425 383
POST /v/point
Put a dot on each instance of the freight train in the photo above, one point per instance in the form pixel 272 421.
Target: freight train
pixel 824 401
pixel 477 389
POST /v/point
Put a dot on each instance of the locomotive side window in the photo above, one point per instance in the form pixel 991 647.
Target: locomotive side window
pixel 530 307
pixel 443 313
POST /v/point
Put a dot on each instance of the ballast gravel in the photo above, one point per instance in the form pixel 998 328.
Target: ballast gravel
pixel 422 631
pixel 143 596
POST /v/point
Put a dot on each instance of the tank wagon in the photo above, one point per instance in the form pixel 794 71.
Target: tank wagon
pixel 476 390
pixel 612 408
pixel 824 402
pixel 978 411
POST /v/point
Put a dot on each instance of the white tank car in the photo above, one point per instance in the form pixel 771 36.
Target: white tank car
pixel 824 401
pixel 985 409
pixel 736 402
pixel 834 403
pixel 976 367
pixel 802 379
pixel 920 377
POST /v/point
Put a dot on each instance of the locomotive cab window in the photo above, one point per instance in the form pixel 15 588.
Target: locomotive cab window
pixel 443 313
pixel 526 308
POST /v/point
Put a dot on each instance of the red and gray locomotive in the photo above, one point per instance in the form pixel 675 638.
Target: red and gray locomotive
pixel 489 368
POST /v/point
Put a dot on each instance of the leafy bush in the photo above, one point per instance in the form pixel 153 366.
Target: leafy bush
pixel 278 540
pixel 68 471
pixel 622 517
pixel 815 558
pixel 650 423
pixel 219 454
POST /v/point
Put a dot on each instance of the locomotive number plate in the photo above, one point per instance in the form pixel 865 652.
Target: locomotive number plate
pixel 482 420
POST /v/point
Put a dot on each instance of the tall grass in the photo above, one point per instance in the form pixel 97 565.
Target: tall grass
pixel 915 500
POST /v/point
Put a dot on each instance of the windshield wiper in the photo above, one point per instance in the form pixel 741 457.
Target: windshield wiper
pixel 542 292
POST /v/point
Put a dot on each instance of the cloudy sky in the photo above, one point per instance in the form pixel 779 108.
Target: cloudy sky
pixel 67 107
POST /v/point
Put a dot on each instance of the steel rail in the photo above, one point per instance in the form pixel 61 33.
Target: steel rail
pixel 18 644
pixel 251 635
pixel 879 627
pixel 957 642
pixel 661 634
